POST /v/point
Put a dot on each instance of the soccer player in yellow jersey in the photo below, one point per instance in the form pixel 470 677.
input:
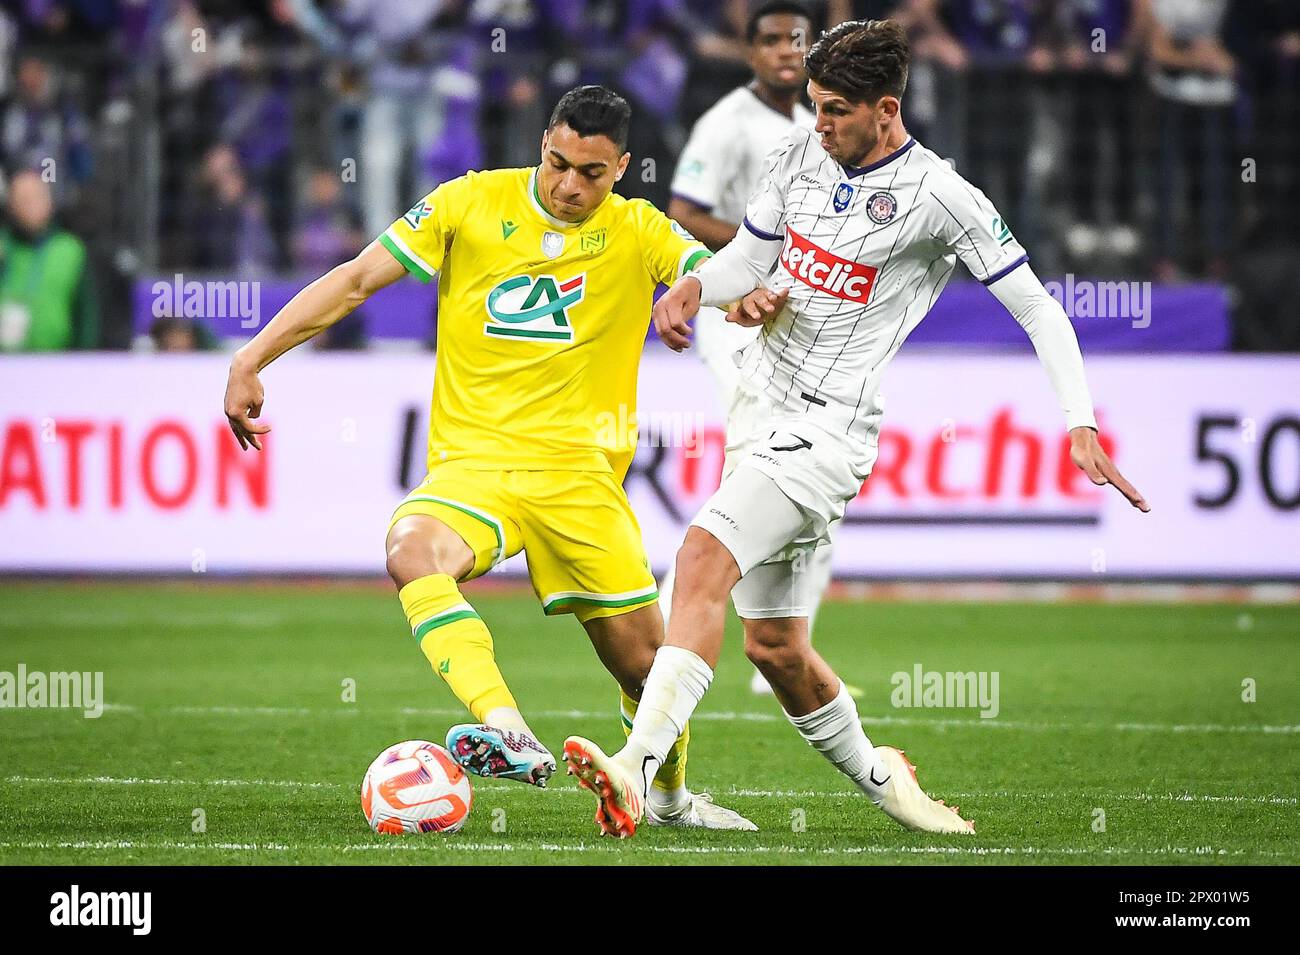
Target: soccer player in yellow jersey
pixel 545 284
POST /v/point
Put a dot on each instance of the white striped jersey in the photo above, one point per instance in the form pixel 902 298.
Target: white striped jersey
pixel 865 252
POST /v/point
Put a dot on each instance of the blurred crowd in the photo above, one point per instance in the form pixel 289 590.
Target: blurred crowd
pixel 1137 138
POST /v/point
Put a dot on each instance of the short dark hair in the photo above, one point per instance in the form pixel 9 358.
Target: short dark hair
pixel 861 60
pixel 594 111
pixel 771 9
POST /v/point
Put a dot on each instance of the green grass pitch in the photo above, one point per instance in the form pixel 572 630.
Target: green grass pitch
pixel 227 697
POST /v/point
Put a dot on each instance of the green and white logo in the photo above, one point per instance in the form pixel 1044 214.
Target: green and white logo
pixel 536 307
pixel 1001 231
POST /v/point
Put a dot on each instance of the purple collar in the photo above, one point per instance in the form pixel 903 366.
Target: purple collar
pixel 855 171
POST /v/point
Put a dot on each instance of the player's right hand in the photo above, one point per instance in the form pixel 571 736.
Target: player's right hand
pixel 244 397
pixel 673 312
pixel 758 307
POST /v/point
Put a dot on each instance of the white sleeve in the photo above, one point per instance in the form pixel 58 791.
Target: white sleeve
pixel 765 210
pixel 967 223
pixel 698 176
pixel 1054 340
pixel 746 261
pixel 738 268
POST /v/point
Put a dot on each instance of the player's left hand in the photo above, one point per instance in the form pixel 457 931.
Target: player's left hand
pixel 1087 453
pixel 758 307
pixel 673 312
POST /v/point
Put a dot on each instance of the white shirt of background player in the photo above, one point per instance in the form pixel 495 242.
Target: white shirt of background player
pixel 717 172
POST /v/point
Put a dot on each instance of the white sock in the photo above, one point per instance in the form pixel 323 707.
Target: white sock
pixel 664 802
pixel 676 684
pixel 508 718
pixel 835 731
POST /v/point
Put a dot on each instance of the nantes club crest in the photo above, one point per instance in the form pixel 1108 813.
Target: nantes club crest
pixel 536 307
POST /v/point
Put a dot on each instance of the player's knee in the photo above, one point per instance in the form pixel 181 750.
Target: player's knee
pixel 627 643
pixel 773 646
pixel 416 550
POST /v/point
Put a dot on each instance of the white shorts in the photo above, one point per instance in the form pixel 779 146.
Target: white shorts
pixel 814 469
pixel 784 488
pixel 772 540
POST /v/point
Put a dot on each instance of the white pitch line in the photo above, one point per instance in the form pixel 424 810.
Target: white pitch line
pixel 452 843
pixel 1056 795
pixel 725 716
pixel 127 844
pixel 147 781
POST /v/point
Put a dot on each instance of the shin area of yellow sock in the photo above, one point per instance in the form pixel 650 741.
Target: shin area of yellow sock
pixel 456 642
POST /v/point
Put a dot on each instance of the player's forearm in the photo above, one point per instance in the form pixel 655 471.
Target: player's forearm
pixel 314 309
pixel 710 230
pixel 1054 341
pixel 737 269
pixel 321 304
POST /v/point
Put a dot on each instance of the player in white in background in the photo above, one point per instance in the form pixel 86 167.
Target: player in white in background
pixel 716 173
pixel 866 226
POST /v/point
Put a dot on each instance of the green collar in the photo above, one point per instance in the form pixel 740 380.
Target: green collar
pixel 535 194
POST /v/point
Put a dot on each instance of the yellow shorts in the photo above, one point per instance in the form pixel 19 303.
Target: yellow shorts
pixel 583 543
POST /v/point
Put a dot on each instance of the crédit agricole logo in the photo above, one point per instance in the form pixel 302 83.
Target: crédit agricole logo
pixel 535 307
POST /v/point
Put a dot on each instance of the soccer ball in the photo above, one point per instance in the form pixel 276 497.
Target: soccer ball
pixel 415 787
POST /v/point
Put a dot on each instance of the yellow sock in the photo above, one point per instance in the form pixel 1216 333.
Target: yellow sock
pixel 672 774
pixel 456 642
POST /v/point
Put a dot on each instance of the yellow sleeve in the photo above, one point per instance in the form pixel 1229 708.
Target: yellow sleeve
pixel 419 239
pixel 669 251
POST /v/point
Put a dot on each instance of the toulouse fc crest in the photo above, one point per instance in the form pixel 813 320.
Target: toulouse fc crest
pixel 843 195
pixel 882 207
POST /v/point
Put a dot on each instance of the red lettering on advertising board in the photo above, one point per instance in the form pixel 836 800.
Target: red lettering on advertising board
pixel 166 466
pixel 20 468
pixel 1007 459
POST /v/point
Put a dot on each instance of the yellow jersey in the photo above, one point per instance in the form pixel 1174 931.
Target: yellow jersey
pixel 541 322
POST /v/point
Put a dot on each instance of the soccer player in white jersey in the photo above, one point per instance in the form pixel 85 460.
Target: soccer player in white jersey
pixel 716 173
pixel 863 226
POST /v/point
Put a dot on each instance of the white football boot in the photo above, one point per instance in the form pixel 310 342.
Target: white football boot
pixel 701 812
pixel 907 804
pixel 758 684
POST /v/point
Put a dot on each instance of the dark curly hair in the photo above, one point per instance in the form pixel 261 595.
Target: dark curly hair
pixel 594 111
pixel 862 60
